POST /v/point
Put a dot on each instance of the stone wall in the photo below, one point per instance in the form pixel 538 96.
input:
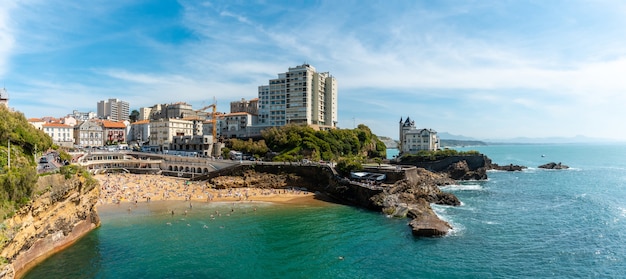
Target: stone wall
pixel 474 162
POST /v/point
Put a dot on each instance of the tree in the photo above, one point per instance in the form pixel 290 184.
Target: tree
pixel 134 116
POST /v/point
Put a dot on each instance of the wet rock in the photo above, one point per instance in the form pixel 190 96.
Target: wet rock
pixel 509 167
pixel 554 166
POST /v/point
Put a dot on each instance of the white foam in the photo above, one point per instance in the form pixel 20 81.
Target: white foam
pixel 440 210
pixel 462 187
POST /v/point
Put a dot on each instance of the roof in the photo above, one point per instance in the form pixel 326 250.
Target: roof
pixel 35 120
pixel 140 122
pixel 56 125
pixel 113 124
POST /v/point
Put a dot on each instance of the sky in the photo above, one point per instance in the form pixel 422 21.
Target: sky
pixel 483 69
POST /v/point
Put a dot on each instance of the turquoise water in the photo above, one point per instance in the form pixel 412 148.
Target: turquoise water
pixel 531 224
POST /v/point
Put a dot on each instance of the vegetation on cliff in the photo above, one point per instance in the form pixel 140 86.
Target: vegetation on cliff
pixel 427 156
pixel 17 182
pixel 295 142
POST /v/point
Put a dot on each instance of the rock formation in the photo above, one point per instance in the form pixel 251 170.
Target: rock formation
pixel 509 167
pixel 412 197
pixel 554 166
pixel 52 221
pixel 461 171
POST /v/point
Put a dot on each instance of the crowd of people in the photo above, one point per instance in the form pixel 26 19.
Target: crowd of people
pixel 135 188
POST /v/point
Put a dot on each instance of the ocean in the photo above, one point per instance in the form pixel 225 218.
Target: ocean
pixel 531 224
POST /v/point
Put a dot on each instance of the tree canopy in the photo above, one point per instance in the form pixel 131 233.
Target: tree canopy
pixel 18 181
pixel 296 142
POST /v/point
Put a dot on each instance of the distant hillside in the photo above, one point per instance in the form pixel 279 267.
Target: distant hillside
pixel 448 136
pixel 389 142
pixel 459 143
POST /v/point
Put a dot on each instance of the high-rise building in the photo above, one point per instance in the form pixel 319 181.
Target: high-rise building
pixel 299 96
pixel 113 109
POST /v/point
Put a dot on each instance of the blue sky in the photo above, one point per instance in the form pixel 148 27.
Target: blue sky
pixel 484 69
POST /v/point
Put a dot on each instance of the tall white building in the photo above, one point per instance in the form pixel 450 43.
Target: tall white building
pixel 299 96
pixel 114 110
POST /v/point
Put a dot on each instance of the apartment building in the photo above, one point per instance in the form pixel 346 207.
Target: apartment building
pixel 89 133
pixel 162 131
pixel 299 96
pixel 114 110
pixel 61 134
pixel 114 132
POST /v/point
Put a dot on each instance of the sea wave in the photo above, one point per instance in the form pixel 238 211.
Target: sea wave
pixel 441 211
pixel 462 187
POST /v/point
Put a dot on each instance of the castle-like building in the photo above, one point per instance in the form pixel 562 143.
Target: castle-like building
pixel 413 140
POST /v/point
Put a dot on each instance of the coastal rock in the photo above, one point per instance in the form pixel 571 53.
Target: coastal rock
pixel 461 171
pixel 425 223
pixel 52 221
pixel 554 166
pixel 412 197
pixel 509 167
pixel 254 179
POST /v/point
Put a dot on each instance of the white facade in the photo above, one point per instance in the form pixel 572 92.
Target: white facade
pixel 413 140
pixel 162 131
pixel 89 133
pixel 235 124
pixel 61 134
pixel 139 131
pixel 299 96
pixel 144 113
pixel 83 116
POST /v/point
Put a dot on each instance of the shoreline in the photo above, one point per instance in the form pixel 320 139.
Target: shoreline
pixel 126 190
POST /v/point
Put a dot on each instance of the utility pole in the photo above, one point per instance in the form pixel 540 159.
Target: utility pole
pixel 9 159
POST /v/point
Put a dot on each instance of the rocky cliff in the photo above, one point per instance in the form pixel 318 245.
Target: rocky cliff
pixel 60 215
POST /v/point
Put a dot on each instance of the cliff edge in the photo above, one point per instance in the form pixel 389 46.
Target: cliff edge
pixel 60 215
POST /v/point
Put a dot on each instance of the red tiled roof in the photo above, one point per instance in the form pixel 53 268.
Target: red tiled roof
pixel 113 124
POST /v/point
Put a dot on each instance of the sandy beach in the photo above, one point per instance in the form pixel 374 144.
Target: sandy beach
pixel 136 188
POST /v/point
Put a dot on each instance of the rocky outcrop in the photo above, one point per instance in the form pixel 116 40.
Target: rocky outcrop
pixel 412 198
pixel 554 166
pixel 459 167
pixel 54 220
pixel 425 223
pixel 461 171
pixel 409 197
pixel 251 178
pixel 509 167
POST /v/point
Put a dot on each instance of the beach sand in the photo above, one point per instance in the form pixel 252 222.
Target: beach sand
pixel 142 188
